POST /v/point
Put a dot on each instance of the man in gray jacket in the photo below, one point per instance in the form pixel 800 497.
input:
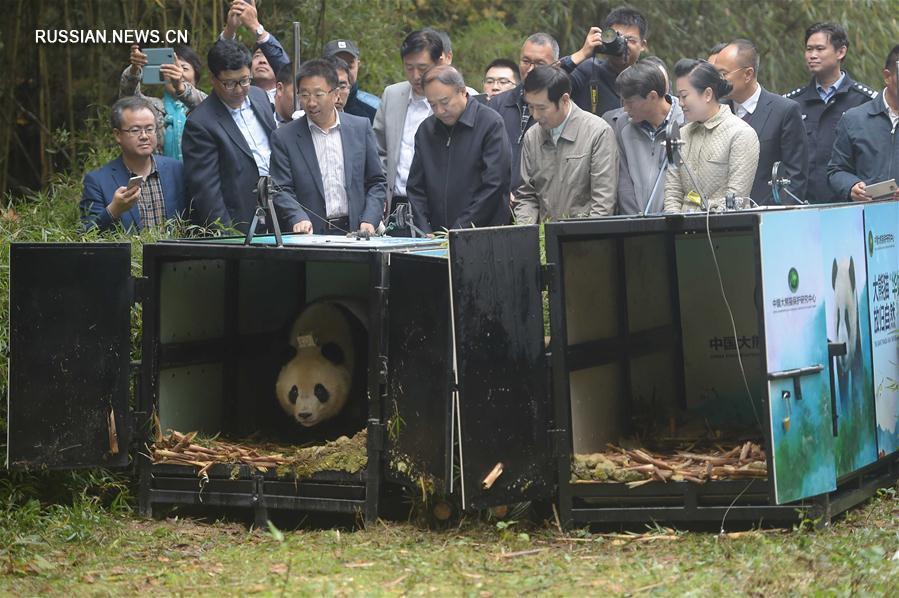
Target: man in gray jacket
pixel 569 164
pixel 641 129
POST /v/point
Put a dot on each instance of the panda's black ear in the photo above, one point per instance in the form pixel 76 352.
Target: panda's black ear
pixel 852 272
pixel 333 353
pixel 833 280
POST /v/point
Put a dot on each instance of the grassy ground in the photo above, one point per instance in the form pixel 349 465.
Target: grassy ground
pixel 83 549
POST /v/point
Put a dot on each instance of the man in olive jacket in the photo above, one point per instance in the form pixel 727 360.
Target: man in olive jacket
pixel 569 164
pixel 461 170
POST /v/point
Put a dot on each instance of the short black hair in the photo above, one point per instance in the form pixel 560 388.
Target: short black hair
pixel 444 39
pixel 228 55
pixel 628 16
pixel 702 75
pixel 422 41
pixel 892 57
pixel 128 103
pixel 340 65
pixel 506 64
pixel 836 34
pixel 318 67
pixel 553 79
pixel 285 74
pixel 187 54
pixel 640 79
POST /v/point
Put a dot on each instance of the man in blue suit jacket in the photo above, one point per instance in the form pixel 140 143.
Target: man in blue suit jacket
pixel 107 199
pixel 226 141
pixel 325 170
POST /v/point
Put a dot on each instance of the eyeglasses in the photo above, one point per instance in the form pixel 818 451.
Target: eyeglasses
pixel 318 95
pixel 726 73
pixel 343 86
pixel 500 81
pixel 230 85
pixel 136 131
pixel 528 62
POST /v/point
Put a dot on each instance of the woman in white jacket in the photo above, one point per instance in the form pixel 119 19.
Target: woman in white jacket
pixel 721 151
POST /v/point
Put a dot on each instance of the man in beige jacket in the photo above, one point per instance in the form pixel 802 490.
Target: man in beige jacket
pixel 569 164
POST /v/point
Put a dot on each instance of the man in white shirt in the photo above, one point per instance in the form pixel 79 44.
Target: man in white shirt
pixel 326 172
pixel 776 120
pixel 403 108
pixel 226 142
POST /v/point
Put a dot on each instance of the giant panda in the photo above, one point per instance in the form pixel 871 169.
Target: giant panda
pixel 849 366
pixel 322 386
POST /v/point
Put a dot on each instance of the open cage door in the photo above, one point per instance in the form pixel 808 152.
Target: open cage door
pixel 801 462
pixel 69 330
pixel 500 405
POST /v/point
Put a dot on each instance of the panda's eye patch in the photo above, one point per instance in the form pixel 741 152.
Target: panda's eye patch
pixel 321 393
pixel 292 395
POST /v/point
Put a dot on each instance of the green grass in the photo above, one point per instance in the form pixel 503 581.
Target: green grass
pixel 85 549
pixel 76 533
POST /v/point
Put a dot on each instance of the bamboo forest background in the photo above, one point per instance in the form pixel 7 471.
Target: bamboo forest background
pixel 54 98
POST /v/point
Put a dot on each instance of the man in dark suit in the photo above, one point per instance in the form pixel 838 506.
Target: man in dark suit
pixel 107 199
pixel 226 141
pixel 325 168
pixel 776 120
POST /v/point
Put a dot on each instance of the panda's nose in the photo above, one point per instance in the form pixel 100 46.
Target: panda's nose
pixel 304 415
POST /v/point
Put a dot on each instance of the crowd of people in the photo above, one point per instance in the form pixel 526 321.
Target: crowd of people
pixel 433 153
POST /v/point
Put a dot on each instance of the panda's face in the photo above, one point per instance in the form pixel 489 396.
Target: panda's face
pixel 314 385
pixel 846 305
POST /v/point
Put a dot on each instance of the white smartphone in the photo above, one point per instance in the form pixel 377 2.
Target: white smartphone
pixel 135 181
pixel 881 190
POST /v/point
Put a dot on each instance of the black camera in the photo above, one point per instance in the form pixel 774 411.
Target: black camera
pixel 613 44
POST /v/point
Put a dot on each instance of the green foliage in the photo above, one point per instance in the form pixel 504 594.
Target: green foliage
pixel 38 140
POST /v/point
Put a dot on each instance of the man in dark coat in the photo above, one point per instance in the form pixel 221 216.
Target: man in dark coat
pixel 829 94
pixel 226 141
pixel 461 171
pixel 867 147
pixel 775 119
pixel 539 49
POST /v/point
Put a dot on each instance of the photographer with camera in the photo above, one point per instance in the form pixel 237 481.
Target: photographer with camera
pixel 622 39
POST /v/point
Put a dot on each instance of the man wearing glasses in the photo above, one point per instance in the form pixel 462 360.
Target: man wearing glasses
pixel 539 49
pixel 156 193
pixel 593 80
pixel 325 167
pixel 777 122
pixel 501 75
pixel 226 142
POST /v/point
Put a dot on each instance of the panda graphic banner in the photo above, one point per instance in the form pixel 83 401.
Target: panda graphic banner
pixel 881 232
pixel 799 399
pixel 849 331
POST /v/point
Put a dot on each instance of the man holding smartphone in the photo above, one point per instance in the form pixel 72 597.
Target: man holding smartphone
pixel 866 151
pixel 137 189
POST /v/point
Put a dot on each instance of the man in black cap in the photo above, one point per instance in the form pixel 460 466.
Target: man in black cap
pixel 360 103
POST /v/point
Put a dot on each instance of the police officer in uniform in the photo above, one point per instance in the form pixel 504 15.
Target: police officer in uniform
pixel 829 94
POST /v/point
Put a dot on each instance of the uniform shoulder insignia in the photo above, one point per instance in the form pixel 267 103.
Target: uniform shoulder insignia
pixel 368 99
pixel 794 93
pixel 864 89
